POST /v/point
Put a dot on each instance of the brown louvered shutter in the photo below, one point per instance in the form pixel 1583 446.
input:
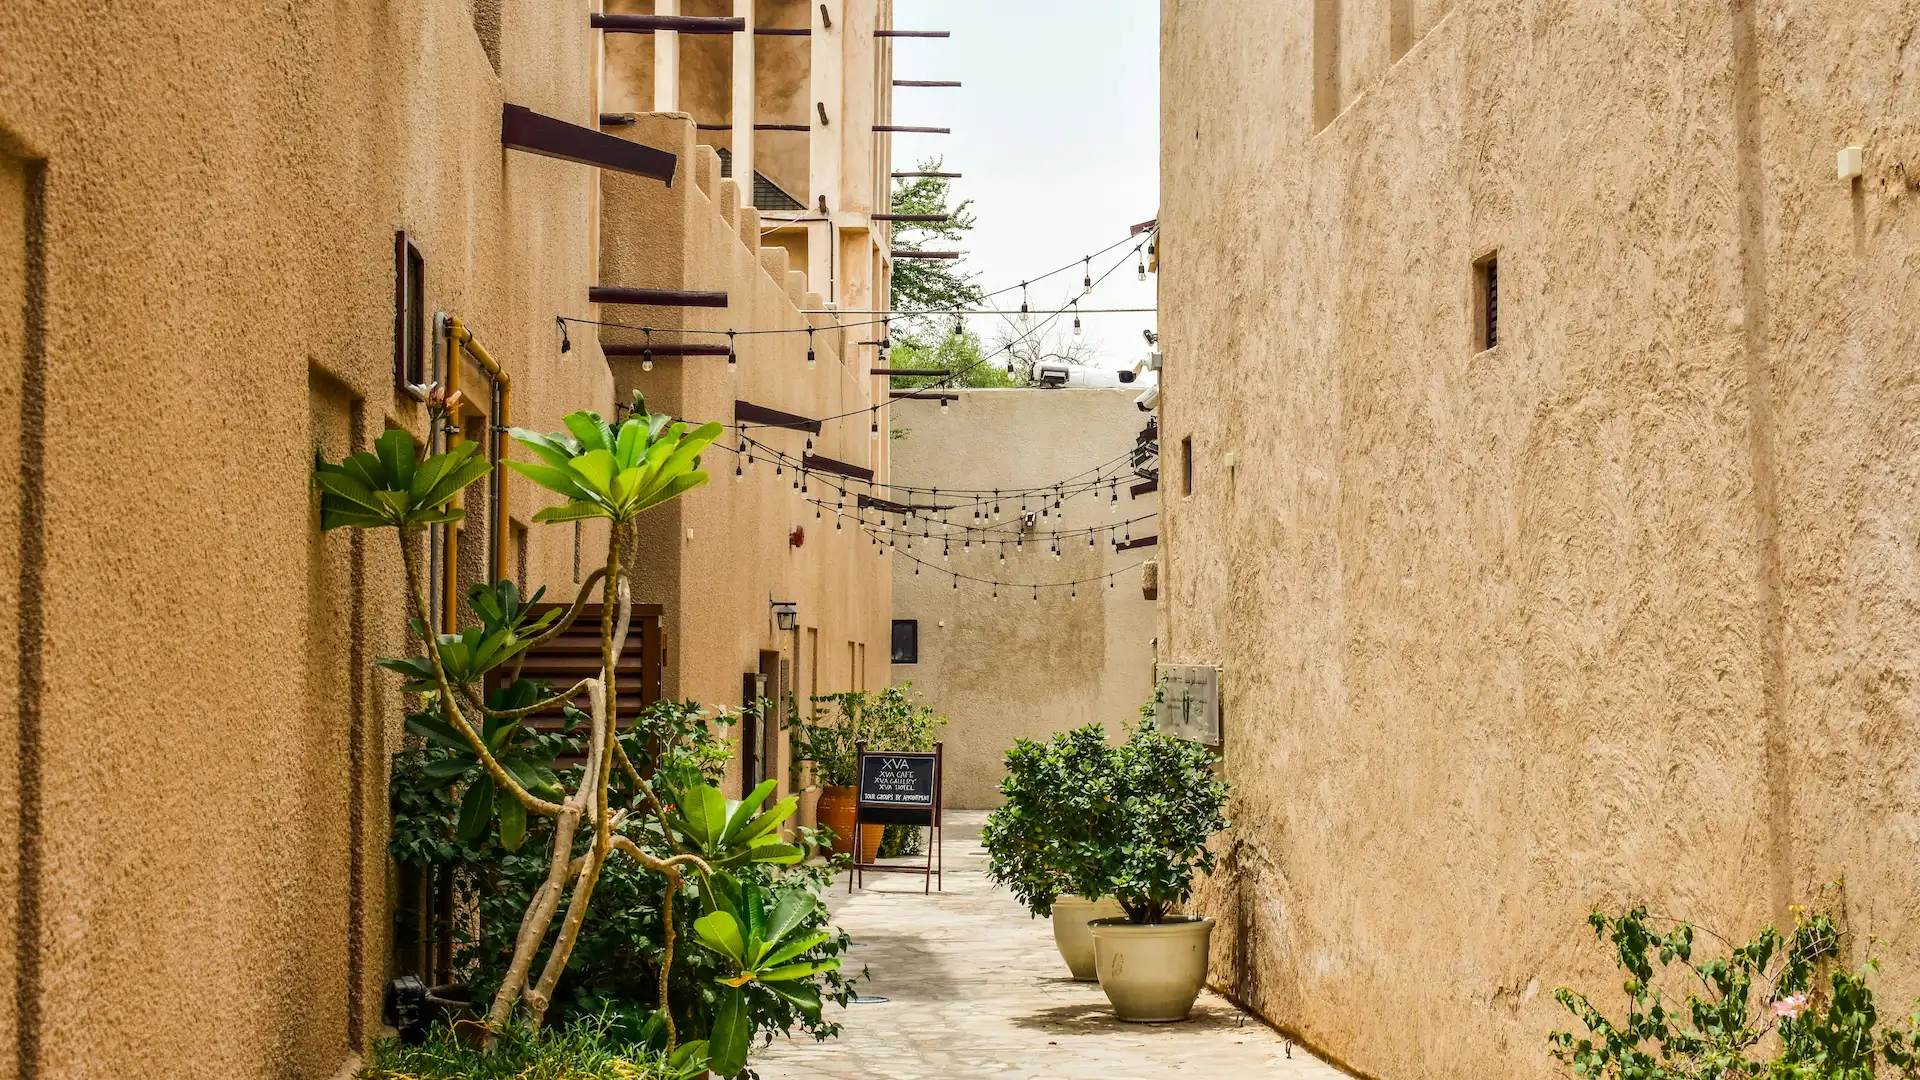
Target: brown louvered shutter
pixel 575 655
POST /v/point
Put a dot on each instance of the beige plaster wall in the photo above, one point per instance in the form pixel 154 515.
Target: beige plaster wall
pixel 1619 610
pixel 718 558
pixel 209 742
pixel 1014 667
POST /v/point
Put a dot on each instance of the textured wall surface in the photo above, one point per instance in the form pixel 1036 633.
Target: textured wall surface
pixel 1620 609
pixel 1011 667
pixel 205 742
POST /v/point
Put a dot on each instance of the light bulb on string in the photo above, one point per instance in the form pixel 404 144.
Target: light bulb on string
pixel 1076 318
pixel 810 360
pixel 956 583
pixel 959 326
pixel 875 433
pixel 733 359
pixel 1024 317
pixel 1036 594
pixel 1143 266
pixel 1086 272
pixel 646 353
pixel 739 472
pixel 1073 592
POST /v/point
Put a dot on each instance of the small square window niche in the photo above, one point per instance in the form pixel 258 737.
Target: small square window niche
pixel 906 641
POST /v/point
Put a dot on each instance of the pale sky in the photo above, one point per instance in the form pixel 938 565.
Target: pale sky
pixel 1057 133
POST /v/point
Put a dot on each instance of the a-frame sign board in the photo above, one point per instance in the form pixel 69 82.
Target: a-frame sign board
pixel 895 788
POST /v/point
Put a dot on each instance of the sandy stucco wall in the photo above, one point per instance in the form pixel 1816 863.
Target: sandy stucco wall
pixel 1016 667
pixel 1618 610
pixel 207 745
pixel 716 558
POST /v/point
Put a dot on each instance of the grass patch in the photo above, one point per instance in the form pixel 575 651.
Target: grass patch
pixel 581 1051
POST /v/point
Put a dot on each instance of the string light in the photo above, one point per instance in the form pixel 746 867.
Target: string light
pixel 646 353
pixel 1086 272
pixel 1024 316
pixel 1076 318
pixel 810 360
pixel 733 360
pixel 1143 266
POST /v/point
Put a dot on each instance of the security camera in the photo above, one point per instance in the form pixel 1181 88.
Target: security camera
pixel 1148 401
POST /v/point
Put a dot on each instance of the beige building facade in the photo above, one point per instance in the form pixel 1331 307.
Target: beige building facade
pixel 1030 643
pixel 1567 553
pixel 220 229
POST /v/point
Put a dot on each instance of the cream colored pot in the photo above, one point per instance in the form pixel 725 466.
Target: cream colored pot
pixel 1070 917
pixel 1152 974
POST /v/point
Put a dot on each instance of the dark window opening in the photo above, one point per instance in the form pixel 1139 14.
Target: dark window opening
pixel 1486 293
pixel 906 641
pixel 409 314
pixel 1186 465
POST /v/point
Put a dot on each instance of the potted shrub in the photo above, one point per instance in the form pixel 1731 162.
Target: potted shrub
pixel 1151 838
pixel 1040 842
pixel 889 720
pixel 830 742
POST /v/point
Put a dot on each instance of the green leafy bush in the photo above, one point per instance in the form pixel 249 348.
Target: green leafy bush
pixel 1776 1008
pixel 888 720
pixel 612 979
pixel 1129 821
pixel 1043 841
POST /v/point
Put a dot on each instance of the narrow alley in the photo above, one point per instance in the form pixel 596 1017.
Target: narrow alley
pixel 975 989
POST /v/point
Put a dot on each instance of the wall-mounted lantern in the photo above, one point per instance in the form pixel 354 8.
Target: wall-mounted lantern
pixel 786 614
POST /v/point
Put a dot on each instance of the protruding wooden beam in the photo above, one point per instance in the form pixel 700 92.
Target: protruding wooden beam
pixel 926 82
pixel 915 372
pixel 1143 542
pixel 1145 488
pixel 621 294
pixel 913 33
pixel 783 31
pixel 816 463
pixel 523 129
pixel 616 119
pixel 911 217
pixel 746 412
pixel 756 127
pixel 920 394
pixel 683 24
pixel 926 254
pixel 916 175
pixel 910 129
pixel 663 350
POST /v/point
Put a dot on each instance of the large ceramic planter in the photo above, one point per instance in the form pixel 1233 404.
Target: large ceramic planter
pixel 1152 974
pixel 836 812
pixel 1071 934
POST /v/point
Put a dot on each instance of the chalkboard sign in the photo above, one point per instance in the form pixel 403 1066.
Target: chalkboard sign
pixel 897 788
pixel 897 780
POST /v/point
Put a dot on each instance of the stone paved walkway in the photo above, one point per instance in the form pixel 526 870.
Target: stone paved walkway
pixel 977 990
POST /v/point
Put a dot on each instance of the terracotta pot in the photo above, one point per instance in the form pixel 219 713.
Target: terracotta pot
pixel 870 837
pixel 1152 974
pixel 836 812
pixel 1071 935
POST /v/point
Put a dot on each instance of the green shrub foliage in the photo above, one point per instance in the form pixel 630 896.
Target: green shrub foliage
pixel 1086 818
pixel 1780 1007
pixel 611 983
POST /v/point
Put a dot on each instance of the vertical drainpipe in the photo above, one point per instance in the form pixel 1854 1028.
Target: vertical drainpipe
pixel 450 532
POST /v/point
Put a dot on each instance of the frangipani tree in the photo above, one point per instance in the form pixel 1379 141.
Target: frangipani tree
pixel 615 472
